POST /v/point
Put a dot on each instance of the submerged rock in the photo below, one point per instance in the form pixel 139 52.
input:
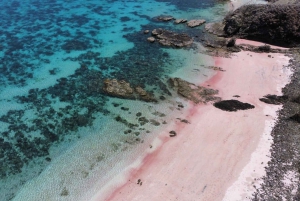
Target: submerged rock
pixel 197 94
pixel 195 23
pixel 233 105
pixel 274 24
pixel 169 38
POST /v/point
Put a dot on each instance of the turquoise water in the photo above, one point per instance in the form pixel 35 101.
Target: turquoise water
pixel 59 131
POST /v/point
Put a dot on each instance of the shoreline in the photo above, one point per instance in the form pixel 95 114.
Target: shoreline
pixel 184 162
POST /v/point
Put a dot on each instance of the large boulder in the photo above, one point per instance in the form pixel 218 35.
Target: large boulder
pixel 274 24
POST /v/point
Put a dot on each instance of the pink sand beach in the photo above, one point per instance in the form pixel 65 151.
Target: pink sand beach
pixel 219 154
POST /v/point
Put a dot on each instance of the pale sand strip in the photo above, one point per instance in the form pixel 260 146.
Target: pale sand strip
pixel 256 43
pixel 208 155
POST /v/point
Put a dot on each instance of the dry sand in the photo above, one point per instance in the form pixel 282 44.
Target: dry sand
pixel 218 151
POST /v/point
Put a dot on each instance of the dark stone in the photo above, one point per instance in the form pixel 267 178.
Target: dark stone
pixel 185 121
pixel 172 133
pixel 232 105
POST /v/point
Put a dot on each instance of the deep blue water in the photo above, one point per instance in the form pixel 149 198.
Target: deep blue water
pixel 54 57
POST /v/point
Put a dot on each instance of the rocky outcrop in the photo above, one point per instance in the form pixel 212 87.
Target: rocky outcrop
pixel 122 89
pixel 197 94
pixel 274 24
pixel 169 38
pixel 195 23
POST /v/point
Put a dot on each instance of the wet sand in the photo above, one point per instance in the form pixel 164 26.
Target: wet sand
pixel 206 158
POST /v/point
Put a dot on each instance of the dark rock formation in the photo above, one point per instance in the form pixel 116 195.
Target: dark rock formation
pixel 232 105
pixel 122 89
pixel 274 24
pixel 169 38
pixel 197 94
pixel 274 99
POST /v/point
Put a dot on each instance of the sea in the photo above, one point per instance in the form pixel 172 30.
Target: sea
pixel 61 136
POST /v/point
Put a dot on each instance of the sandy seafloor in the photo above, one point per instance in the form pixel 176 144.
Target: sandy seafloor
pixel 59 136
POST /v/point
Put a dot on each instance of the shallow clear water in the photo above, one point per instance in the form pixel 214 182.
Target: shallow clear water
pixel 59 130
